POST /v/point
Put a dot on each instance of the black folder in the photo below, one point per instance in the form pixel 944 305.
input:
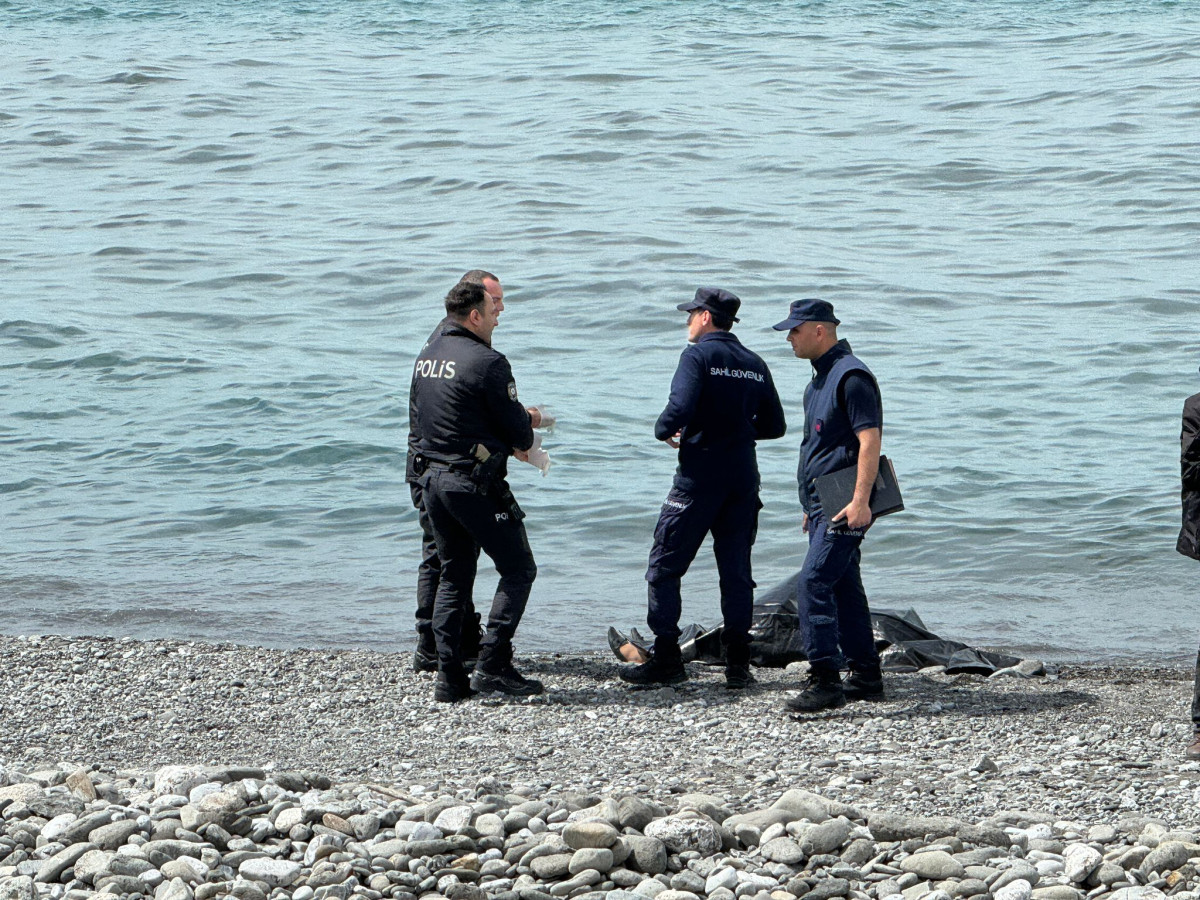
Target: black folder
pixel 836 489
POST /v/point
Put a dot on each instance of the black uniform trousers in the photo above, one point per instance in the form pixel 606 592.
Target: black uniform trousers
pixel 429 576
pixel 464 518
pixel 1196 698
pixel 729 511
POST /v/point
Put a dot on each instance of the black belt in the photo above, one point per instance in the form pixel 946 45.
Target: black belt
pixel 463 466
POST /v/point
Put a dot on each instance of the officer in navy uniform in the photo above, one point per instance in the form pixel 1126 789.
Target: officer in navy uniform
pixel 429 571
pixel 722 400
pixel 468 421
pixel 843 427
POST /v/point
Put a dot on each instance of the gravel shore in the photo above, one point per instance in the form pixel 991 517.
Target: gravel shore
pixel 208 746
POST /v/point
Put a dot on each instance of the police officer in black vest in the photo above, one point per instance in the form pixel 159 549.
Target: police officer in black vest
pixel 722 400
pixel 429 572
pixel 843 427
pixel 467 421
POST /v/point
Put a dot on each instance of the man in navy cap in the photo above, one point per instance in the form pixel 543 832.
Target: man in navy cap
pixel 722 400
pixel 843 427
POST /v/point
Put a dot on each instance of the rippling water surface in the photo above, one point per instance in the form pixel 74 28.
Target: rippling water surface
pixel 227 228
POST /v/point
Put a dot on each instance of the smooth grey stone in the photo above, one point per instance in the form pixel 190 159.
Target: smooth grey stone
pixel 969 887
pixel 170 849
pixel 586 878
pixel 52 868
pixel 858 852
pixel 579 835
pixel 1021 871
pixel 900 827
pixel 1080 861
pixel 235 859
pixel 114 834
pixel 826 888
pixel 186 868
pixel 122 884
pixel 706 804
pixel 81 829
pixel 782 850
pixel 937 865
pixel 551 867
pixel 761 819
pixel 606 810
pixel 670 894
pixel 648 854
pixel 980 856
pixel 827 837
pixel 598 858
pixel 1139 892
pixel 1168 856
pixel 725 877
pixel 1018 889
pixel 175 889
pixel 634 813
pixel 687 880
pixel 1057 892
pixel 91 864
pixel 276 873
pixel 802 804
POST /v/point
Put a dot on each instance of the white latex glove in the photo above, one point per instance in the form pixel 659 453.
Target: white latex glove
pixel 536 456
pixel 548 419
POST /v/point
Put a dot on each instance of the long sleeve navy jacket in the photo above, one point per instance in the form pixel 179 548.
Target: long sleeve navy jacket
pixel 723 399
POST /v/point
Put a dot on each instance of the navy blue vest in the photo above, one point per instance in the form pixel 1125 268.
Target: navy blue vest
pixel 829 442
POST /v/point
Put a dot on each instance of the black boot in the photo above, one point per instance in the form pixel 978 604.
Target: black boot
pixel 495 674
pixel 866 685
pixel 452 689
pixel 737 667
pixel 425 656
pixel 824 691
pixel 664 667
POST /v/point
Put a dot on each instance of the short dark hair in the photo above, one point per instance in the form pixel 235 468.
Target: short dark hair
pixel 463 298
pixel 477 276
pixel 721 321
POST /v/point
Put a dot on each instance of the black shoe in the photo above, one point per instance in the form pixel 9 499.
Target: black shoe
pixel 863 686
pixel 507 681
pixel 423 661
pixel 738 678
pixel 452 691
pixel 655 672
pixel 823 692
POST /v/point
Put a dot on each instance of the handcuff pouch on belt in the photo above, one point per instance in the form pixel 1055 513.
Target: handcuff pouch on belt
pixel 486 473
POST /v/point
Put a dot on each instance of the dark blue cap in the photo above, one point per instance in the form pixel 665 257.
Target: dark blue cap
pixel 714 300
pixel 808 311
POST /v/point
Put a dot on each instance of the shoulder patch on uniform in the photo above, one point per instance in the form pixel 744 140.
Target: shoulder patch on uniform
pixel 512 391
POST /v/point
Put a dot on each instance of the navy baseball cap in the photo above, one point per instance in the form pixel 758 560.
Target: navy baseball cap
pixel 808 311
pixel 714 300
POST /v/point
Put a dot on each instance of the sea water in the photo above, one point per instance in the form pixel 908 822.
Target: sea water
pixel 227 229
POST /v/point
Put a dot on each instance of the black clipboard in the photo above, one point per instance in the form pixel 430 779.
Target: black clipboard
pixel 835 490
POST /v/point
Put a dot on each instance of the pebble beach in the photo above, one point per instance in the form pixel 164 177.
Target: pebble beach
pixel 187 771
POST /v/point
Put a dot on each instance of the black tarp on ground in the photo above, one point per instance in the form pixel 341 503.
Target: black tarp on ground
pixel 903 641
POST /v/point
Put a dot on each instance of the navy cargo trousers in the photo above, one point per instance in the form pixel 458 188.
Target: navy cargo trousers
pixel 832 601
pixel 729 511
